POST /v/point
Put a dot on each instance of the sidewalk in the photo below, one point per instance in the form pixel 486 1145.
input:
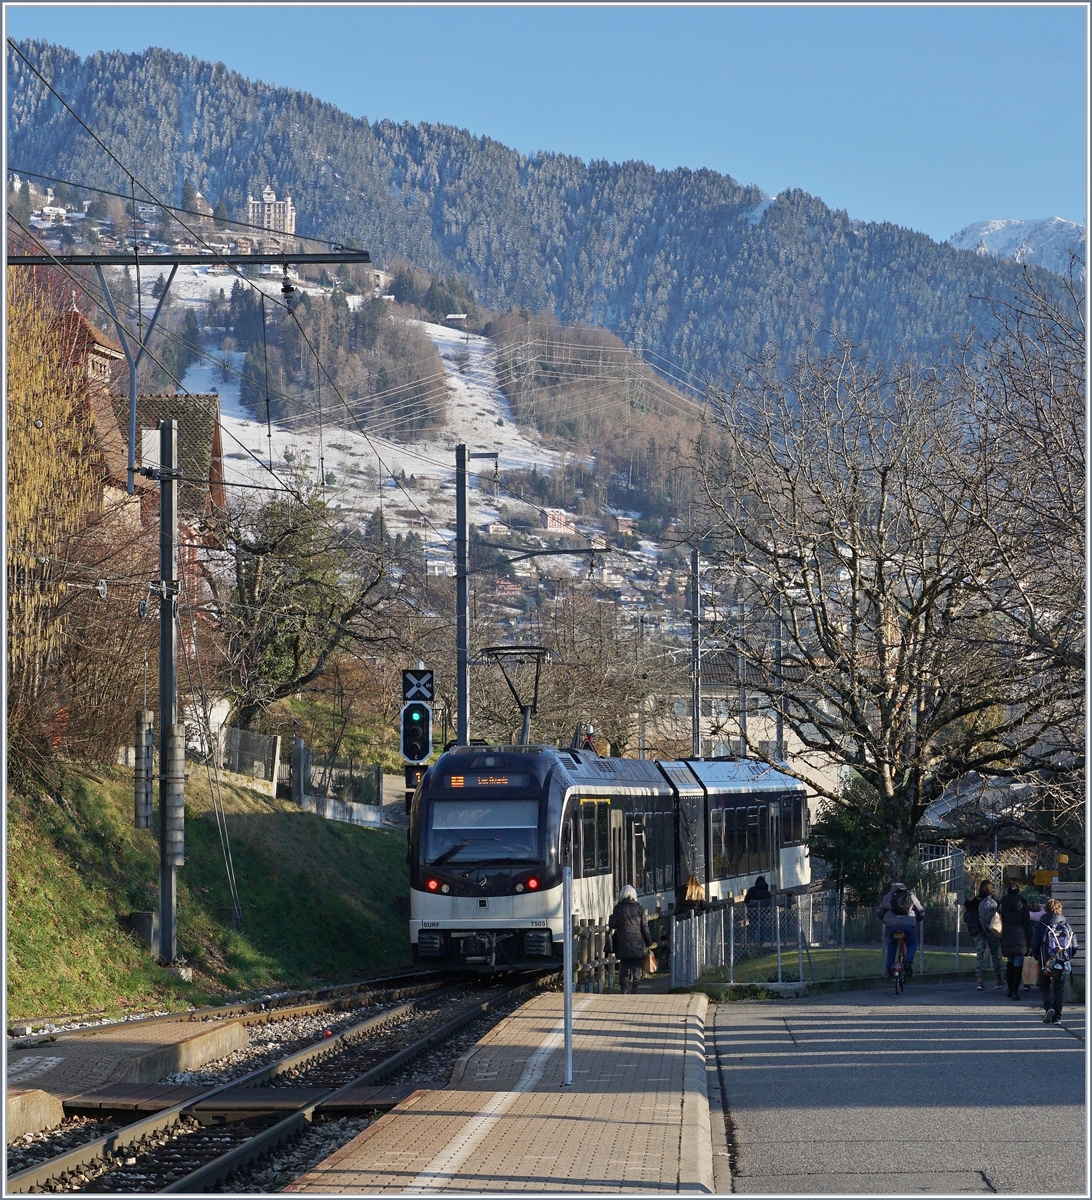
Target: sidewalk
pixel 943 1089
pixel 636 1119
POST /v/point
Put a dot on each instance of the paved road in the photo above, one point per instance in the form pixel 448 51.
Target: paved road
pixel 943 1090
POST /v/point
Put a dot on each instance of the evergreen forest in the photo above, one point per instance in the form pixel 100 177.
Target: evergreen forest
pixel 698 270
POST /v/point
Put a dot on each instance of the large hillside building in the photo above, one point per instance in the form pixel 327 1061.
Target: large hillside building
pixel 271 213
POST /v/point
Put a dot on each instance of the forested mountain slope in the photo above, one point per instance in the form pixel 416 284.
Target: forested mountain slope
pixel 690 264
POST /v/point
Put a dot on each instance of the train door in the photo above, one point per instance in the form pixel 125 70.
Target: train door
pixel 618 850
pixel 568 843
pixel 775 845
pixel 637 848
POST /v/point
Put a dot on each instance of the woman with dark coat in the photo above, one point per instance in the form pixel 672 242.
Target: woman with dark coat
pixel 1015 934
pixel 630 936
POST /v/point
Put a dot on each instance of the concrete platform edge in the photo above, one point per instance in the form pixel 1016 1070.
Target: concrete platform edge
pixel 695 1139
pixel 187 1054
pixel 30 1110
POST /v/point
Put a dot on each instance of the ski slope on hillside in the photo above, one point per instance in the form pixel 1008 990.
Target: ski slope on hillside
pixel 354 462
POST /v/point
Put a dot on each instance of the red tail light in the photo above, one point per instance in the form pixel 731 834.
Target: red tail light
pixel 532 884
pixel 433 884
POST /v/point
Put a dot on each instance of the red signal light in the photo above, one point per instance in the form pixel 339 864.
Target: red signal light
pixel 433 884
pixel 532 884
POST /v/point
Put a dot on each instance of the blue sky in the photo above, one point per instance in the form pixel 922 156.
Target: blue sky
pixel 931 117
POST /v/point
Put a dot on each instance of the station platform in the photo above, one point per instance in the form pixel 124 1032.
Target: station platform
pixel 41 1078
pixel 635 1120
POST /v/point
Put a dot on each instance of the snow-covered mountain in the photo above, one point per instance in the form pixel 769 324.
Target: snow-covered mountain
pixel 1043 243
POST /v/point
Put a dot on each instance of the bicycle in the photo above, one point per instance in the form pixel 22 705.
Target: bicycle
pixel 898 971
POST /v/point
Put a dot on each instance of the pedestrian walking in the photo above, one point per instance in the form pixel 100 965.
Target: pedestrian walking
pixel 1054 943
pixel 988 938
pixel 1016 930
pixel 630 937
pixel 757 900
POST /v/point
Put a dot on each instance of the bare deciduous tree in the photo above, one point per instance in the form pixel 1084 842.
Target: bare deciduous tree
pixel 846 498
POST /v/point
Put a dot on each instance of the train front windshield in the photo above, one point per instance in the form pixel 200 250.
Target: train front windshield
pixel 465 825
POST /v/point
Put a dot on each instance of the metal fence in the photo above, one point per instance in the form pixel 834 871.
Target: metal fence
pixel 804 938
pixel 344 779
pixel 248 753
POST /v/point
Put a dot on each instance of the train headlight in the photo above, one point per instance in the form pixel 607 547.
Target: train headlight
pixel 519 887
pixel 433 885
pixel 445 888
pixel 532 883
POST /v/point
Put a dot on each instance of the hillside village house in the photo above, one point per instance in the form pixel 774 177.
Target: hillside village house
pixel 556 519
pixel 271 213
pixel 101 360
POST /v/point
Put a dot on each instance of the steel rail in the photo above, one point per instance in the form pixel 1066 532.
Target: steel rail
pixel 108 1145
pixel 261 1143
pixel 283 1005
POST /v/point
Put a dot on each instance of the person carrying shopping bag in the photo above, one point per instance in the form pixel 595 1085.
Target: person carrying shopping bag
pixel 1015 935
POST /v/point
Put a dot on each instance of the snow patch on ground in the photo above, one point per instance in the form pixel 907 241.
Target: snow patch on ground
pixel 477 414
pixel 1043 243
pixel 759 211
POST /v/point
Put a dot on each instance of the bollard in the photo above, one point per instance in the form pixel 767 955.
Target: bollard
pixel 777 925
pixel 142 775
pixel 732 942
pixel 584 981
pixel 842 910
pixel 597 943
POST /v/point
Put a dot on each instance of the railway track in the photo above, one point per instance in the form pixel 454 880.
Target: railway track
pixel 202 1142
pixel 324 999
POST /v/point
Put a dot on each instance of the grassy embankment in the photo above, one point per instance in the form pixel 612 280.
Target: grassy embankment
pixel 317 896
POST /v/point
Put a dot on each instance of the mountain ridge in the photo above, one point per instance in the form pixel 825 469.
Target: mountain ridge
pixel 1047 242
pixel 670 260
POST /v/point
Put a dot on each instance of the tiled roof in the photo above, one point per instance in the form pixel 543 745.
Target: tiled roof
pixel 81 336
pixel 200 456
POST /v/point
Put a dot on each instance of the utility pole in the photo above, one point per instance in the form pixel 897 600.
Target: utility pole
pixel 462 594
pixel 171 735
pixel 462 603
pixel 741 663
pixel 695 657
pixel 780 666
pixel 134 363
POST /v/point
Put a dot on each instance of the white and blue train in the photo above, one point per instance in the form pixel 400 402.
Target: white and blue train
pixel 491 828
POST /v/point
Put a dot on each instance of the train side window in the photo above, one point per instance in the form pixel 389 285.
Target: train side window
pixel 602 836
pixel 731 866
pixel 763 838
pixel 587 822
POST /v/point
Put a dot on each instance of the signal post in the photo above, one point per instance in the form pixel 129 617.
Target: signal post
pixel 415 725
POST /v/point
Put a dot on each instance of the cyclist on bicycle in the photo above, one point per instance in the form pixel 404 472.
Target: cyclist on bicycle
pixel 900 909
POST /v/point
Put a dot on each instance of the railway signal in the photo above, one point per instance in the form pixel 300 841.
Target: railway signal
pixel 418 685
pixel 416 732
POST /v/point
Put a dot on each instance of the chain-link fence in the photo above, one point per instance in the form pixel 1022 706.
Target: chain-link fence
pixel 248 753
pixel 812 937
pixel 345 779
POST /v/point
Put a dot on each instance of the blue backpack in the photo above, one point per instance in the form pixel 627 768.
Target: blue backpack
pixel 1057 949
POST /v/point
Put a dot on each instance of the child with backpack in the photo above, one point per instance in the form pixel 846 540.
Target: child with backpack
pixel 1054 944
